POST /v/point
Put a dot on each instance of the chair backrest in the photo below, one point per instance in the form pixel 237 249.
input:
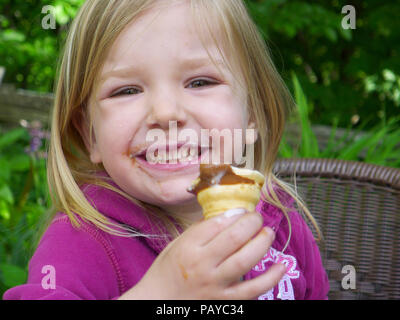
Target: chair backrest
pixel 357 207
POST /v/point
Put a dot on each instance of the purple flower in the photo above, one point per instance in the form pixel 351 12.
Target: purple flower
pixel 37 135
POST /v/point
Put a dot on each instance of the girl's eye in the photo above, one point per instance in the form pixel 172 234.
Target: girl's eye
pixel 200 83
pixel 126 91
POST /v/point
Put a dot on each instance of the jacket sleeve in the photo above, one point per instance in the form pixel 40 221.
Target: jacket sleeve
pixel 69 264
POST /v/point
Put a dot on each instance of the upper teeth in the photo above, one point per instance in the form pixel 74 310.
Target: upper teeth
pixel 173 156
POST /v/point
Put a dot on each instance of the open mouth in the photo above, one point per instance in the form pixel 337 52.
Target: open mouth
pixel 171 155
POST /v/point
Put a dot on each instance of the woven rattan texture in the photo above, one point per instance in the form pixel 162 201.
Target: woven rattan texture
pixel 357 207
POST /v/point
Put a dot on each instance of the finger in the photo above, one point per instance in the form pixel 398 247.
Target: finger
pixel 235 236
pixel 206 230
pixel 253 288
pixel 247 257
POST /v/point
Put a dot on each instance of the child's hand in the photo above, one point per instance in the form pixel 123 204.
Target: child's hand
pixel 208 260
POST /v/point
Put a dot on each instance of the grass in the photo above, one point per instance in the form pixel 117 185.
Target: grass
pixel 380 146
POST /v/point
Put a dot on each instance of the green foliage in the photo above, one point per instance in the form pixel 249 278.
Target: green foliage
pixel 23 202
pixel 387 85
pixel 351 73
pixel 29 52
pixel 379 145
pixel 309 144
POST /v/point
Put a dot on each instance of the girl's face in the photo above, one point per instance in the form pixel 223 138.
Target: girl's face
pixel 158 76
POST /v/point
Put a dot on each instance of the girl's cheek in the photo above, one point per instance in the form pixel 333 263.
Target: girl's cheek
pixel 219 112
pixel 120 118
pixel 224 119
pixel 113 134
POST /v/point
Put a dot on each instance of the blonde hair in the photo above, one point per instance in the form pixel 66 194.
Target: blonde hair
pixel 91 35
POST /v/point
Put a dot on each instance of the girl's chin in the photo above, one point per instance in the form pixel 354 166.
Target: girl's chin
pixel 169 190
pixel 175 199
pixel 160 192
pixel 188 208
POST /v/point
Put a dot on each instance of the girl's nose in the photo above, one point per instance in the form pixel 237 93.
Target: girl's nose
pixel 164 109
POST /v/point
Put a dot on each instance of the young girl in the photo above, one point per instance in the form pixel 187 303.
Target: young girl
pixel 125 227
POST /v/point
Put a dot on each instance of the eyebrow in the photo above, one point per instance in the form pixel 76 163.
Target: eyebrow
pixel 191 64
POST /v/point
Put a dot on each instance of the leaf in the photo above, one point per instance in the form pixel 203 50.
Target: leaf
pixel 12 275
pixel 376 137
pixel 352 135
pixel 388 75
pixel 309 144
pixel 352 151
pixel 389 147
pixel 285 150
pixel 4 211
pixel 12 35
pixel 5 171
pixel 6 194
pixel 328 152
pixel 61 14
pixel 346 33
pixel 20 163
pixel 331 34
pixel 11 137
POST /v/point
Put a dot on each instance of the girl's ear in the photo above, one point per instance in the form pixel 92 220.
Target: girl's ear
pixel 251 133
pixel 81 124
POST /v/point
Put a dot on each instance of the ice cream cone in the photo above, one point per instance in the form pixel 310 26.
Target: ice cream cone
pixel 221 188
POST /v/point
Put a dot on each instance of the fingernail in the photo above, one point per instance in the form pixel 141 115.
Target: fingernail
pixel 282 267
pixel 270 232
pixel 234 212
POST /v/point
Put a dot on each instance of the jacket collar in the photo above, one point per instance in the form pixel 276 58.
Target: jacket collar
pixel 123 211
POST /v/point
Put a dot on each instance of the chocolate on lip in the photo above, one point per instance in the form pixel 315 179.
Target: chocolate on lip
pixel 211 175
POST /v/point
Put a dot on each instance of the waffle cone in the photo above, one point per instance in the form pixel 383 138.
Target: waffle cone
pixel 220 198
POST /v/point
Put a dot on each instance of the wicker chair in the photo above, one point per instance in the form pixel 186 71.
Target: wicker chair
pixel 357 207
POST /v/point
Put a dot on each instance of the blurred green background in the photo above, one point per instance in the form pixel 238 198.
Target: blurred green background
pixel 351 73
pixel 341 78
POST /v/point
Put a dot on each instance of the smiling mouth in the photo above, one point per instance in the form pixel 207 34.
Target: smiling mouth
pixel 170 155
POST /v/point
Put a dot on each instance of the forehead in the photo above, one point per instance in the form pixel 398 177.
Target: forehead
pixel 166 31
